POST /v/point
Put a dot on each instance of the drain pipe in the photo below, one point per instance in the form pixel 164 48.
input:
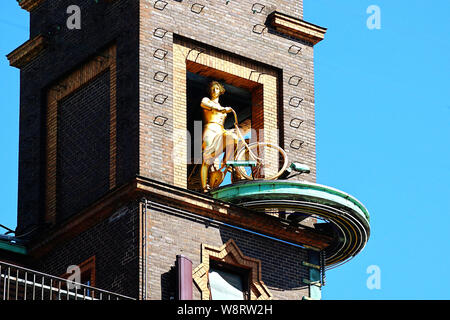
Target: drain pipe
pixel 184 278
pixel 144 249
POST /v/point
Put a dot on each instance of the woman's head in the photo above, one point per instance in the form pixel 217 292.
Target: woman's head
pixel 216 89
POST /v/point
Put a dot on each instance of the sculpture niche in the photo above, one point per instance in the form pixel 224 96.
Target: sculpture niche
pixel 244 161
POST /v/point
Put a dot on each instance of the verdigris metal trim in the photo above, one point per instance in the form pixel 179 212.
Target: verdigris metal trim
pixel 12 247
pixel 346 213
pixel 290 189
pixel 310 265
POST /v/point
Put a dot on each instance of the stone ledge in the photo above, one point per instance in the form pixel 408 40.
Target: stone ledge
pixel 29 4
pixel 296 28
pixel 27 51
pixel 179 199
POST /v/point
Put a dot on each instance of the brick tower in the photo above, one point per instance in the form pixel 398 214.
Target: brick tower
pixel 108 164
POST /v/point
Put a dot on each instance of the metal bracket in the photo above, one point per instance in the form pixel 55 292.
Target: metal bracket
pixel 159 123
pixel 259 28
pixel 310 265
pixel 295 102
pixel 311 283
pixel 296 144
pixel 160 76
pixel 197 8
pixel 160 5
pixel 295 123
pixel 295 80
pixel 160 98
pixel 200 51
pixel 294 49
pixel 257 7
pixel 159 32
pixel 311 248
pixel 160 54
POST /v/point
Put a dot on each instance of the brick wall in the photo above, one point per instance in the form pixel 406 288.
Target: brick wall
pixel 114 243
pixel 170 235
pixel 237 30
pixel 102 24
pixel 83 147
pixel 144 32
pixel 145 115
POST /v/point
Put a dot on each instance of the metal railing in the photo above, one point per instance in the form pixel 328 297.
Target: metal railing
pixel 19 283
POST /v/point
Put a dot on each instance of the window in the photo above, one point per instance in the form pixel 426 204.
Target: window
pixel 225 273
pixel 227 282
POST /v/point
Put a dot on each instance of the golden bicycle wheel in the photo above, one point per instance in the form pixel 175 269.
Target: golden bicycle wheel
pixel 271 161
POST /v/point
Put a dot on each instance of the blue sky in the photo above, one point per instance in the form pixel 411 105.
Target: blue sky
pixel 14 24
pixel 383 131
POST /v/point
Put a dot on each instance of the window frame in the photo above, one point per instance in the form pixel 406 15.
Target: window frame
pixel 244 274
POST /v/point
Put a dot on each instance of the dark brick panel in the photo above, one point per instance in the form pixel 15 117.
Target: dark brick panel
pixel 83 146
pixel 102 24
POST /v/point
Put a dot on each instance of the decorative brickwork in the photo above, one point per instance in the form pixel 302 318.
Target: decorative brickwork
pixel 230 254
pixel 105 61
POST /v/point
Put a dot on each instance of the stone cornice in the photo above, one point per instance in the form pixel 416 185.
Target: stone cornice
pixel 29 4
pixel 27 51
pixel 178 199
pixel 296 28
pixel 182 199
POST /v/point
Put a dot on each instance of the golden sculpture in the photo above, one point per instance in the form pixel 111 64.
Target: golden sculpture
pixel 258 160
pixel 216 140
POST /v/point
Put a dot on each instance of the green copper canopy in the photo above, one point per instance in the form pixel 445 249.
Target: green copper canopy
pixel 349 217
